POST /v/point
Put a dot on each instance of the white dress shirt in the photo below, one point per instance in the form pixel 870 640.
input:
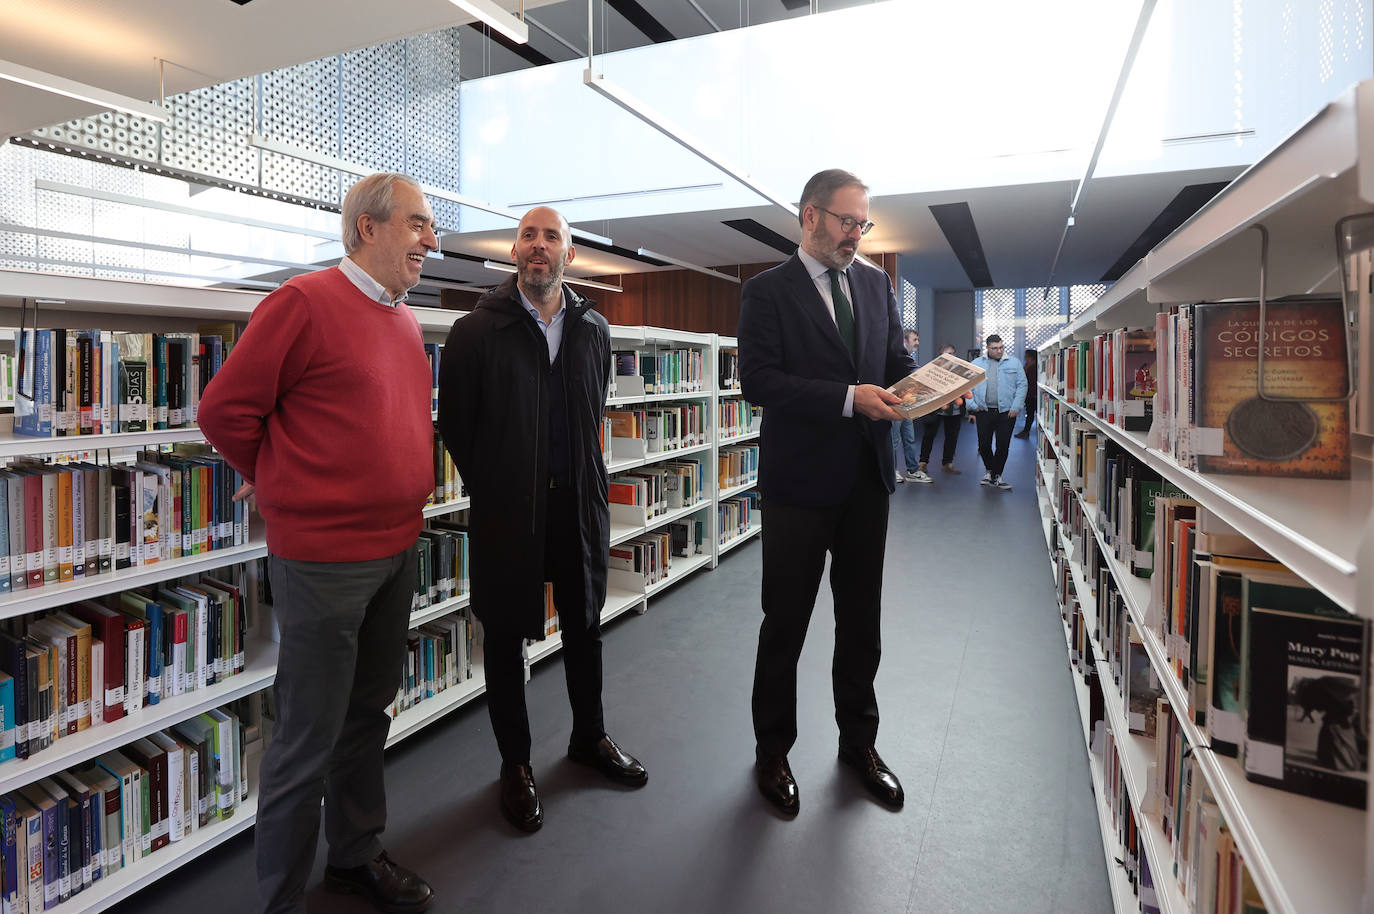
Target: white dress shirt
pixel 553 330
pixel 367 285
pixel 820 275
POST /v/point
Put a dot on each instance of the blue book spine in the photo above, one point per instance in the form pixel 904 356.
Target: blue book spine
pixel 52 851
pixel 8 729
pixel 154 652
pixel 95 827
pixel 42 388
pixel 12 824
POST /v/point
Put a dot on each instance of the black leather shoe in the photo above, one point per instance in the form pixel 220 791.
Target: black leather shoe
pixel 520 798
pixel 608 758
pixel 877 777
pixel 776 783
pixel 389 887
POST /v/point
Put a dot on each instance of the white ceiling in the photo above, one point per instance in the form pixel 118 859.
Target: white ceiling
pixel 114 44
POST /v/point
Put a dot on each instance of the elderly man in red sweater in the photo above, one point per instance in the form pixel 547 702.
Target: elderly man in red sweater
pixel 324 408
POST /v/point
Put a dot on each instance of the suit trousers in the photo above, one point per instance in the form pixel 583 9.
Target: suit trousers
pixel 931 426
pixel 994 425
pixel 504 661
pixel 343 640
pixel 795 542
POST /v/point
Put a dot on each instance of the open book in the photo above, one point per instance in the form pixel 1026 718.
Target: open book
pixel 935 384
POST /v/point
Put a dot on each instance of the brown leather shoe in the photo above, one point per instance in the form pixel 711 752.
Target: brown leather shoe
pixel 776 783
pixel 612 761
pixel 520 798
pixel 877 777
pixel 386 885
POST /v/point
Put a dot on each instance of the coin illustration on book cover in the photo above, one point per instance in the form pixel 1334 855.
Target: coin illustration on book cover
pixel 1272 429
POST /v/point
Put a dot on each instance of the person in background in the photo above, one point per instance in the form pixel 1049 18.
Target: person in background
pixel 996 403
pixel 904 433
pixel 522 384
pixel 324 409
pixel 1032 365
pixel 949 418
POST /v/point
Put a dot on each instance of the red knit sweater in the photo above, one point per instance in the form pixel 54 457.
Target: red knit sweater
pixel 324 405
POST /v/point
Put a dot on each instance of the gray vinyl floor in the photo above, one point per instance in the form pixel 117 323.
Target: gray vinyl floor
pixel 978 719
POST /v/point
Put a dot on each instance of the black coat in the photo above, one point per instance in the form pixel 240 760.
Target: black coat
pixel 793 364
pixel 494 390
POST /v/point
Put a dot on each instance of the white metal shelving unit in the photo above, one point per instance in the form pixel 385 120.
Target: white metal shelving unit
pixel 1304 854
pixel 119 304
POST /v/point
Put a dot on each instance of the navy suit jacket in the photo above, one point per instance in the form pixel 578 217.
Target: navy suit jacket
pixel 793 364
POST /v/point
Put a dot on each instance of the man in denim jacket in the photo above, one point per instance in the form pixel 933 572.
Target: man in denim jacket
pixel 995 405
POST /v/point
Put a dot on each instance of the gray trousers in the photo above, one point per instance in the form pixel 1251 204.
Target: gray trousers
pixel 343 635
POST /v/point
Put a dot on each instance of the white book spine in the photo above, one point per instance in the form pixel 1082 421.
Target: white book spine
pixel 97 682
pixel 193 799
pixel 176 787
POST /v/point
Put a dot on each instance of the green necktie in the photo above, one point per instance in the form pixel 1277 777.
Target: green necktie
pixel 844 314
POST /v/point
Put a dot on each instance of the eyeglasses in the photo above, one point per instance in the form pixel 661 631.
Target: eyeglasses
pixel 848 223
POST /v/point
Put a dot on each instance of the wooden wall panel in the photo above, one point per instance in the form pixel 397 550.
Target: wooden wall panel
pixel 675 299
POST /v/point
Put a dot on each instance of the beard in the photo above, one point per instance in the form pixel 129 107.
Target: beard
pixel 541 284
pixel 835 253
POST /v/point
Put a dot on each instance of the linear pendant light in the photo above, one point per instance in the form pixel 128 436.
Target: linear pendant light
pixel 571 280
pixel 328 161
pixel 61 85
pixel 485 10
pixel 645 252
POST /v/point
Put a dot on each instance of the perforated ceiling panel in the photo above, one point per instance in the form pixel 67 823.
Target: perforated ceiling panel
pixel 300 106
pixel 432 117
pixel 110 133
pixel 210 130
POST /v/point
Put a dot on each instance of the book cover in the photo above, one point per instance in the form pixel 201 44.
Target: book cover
pixel 1305 357
pixel 1306 691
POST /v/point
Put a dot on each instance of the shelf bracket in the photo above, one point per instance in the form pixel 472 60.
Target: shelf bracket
pixel 1263 326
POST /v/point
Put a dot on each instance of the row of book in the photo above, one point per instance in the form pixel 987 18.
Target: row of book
pixel 444 570
pixel 662 487
pixel 90 382
pixel 60 522
pixel 669 428
pixel 738 515
pixel 1203 857
pixel 92 663
pixel 1275 672
pixel 735 417
pixel 65 833
pixel 664 371
pixel 738 465
pixel 448 485
pixel 728 371
pixel 1193 382
pixel 438 658
pixel 648 559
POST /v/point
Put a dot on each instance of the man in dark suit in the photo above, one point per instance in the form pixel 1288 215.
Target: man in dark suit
pixel 820 340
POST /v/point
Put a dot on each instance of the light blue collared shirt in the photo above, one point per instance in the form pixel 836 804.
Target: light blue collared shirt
pixel 553 330
pixel 820 275
pixel 367 285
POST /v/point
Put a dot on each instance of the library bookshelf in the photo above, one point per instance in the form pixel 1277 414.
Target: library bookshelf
pixel 113 304
pixel 1303 854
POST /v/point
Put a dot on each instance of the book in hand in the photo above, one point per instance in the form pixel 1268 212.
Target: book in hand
pixel 935 385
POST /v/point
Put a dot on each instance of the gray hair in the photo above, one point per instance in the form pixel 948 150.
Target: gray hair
pixel 372 195
pixel 822 186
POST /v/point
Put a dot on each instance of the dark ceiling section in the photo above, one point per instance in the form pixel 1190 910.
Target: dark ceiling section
pixel 762 233
pixel 643 20
pixel 794 5
pixel 956 221
pixel 1185 203
pixel 617 250
pixel 524 51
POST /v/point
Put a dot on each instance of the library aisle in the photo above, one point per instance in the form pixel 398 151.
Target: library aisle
pixel 979 721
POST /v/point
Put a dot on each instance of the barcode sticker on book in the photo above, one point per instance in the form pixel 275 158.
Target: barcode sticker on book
pixel 114 696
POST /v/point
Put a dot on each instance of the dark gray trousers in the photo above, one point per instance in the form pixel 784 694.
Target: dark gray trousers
pixel 343 635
